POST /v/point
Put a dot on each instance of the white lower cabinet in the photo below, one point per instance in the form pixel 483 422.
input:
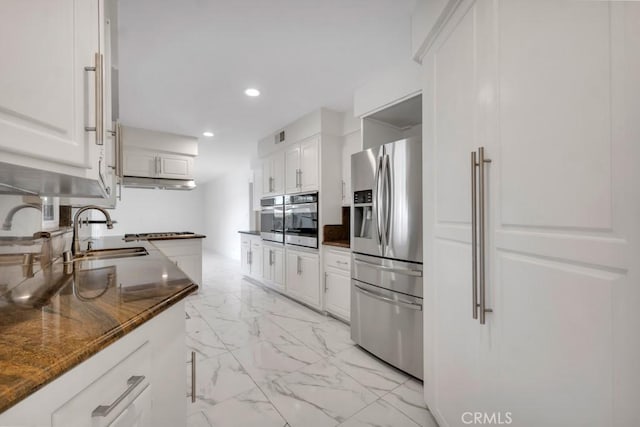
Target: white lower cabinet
pixel 303 276
pixel 337 282
pixel 186 254
pixel 273 266
pixel 109 396
pixel 251 255
pixel 138 381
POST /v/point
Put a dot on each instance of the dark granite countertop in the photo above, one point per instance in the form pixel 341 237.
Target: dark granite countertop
pixel 254 232
pixel 51 322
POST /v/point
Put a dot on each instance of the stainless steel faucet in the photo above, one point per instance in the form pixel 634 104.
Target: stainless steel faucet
pixel 75 248
pixel 8 220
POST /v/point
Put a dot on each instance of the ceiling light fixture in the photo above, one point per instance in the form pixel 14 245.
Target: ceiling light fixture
pixel 252 92
pixel 207 134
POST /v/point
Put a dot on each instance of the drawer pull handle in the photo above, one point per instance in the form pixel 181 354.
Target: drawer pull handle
pixel 104 410
pixel 408 272
pixel 399 302
pixel 342 262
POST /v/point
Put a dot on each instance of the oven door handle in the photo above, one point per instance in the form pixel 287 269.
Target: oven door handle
pixel 406 304
pixel 313 206
pixel 405 271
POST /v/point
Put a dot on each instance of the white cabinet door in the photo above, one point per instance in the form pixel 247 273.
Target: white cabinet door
pixel 175 166
pixel 267 263
pixel 303 277
pixel 256 258
pixel 292 169
pixel 273 267
pixel 103 400
pixel 309 165
pixel 277 172
pixel 351 145
pixel 273 174
pixel 245 249
pixel 267 177
pixel 558 347
pixel 278 269
pixel 140 163
pixel 45 104
pixel 337 297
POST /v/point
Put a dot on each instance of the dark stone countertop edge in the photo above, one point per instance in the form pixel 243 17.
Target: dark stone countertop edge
pixel 339 243
pixel 253 233
pixel 26 388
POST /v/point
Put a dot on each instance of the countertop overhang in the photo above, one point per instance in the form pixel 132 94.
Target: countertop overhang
pixel 101 301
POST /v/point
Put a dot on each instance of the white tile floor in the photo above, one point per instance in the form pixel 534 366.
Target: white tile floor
pixel 264 360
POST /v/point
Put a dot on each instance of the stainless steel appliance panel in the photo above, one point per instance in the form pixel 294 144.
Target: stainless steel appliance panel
pixel 272 219
pixel 386 214
pixel 301 219
pixel 389 325
pixel 365 224
pixel 398 276
pixel 401 198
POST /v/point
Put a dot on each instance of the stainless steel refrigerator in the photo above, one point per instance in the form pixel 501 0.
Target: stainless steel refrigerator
pixel 386 241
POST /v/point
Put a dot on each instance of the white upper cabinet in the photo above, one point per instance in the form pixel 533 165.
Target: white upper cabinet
pixel 149 164
pixel 153 154
pixel 553 112
pixel 352 144
pixel 302 166
pixel 273 175
pixel 47 97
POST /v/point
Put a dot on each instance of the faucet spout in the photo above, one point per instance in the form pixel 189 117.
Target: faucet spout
pixel 8 220
pixel 75 247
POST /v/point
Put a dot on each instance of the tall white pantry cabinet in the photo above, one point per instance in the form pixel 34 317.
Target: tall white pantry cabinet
pixel 551 90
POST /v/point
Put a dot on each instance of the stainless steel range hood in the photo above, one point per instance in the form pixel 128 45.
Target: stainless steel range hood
pixel 159 183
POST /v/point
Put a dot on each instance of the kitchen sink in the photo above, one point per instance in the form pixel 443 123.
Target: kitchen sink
pixel 95 254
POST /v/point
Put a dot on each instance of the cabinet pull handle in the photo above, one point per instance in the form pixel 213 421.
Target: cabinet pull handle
pixel 193 377
pixel 380 297
pixel 474 237
pixel 249 257
pixel 325 283
pixel 405 271
pixel 104 410
pixel 299 266
pixel 478 236
pixel 99 99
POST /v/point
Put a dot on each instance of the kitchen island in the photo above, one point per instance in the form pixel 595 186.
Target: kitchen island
pixel 75 337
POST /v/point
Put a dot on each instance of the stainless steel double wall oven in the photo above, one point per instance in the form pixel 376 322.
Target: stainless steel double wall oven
pixel 290 219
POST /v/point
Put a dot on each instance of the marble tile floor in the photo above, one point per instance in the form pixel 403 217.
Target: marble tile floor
pixel 264 360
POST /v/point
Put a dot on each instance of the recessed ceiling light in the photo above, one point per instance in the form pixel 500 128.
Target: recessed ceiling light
pixel 252 92
pixel 207 134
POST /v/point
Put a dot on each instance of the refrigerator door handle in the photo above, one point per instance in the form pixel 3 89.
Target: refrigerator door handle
pixel 377 200
pixel 405 271
pixel 388 195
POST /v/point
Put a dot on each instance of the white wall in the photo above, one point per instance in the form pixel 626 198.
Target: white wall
pixel 144 211
pixel 227 203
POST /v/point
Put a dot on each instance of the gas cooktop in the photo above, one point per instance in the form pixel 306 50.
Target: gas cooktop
pixel 159 235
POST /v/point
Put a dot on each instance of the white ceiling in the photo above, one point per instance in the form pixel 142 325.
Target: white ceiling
pixel 184 65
